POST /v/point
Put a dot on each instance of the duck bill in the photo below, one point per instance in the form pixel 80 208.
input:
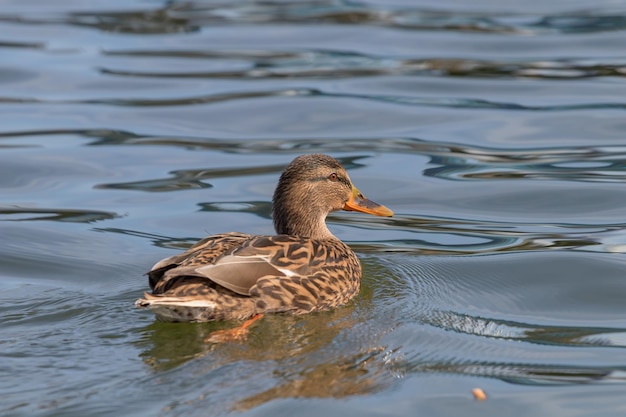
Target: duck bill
pixel 358 202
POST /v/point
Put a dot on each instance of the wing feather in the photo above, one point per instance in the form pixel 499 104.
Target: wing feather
pixel 239 273
pixel 235 261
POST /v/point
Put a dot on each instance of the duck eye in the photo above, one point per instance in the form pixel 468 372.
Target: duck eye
pixel 332 177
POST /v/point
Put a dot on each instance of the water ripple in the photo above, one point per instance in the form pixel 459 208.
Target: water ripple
pixel 176 243
pixel 337 64
pixel 438 303
pixel 462 103
pixel 181 180
pixel 530 374
pixel 450 155
pixel 524 332
pixel 449 236
pixel 189 179
pixel 16 214
pixel 18 44
pixel 190 16
pixel 588 164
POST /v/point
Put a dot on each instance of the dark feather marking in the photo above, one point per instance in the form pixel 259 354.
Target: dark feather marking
pixel 262 242
pixel 303 303
pixel 289 287
pixel 296 251
pixel 308 285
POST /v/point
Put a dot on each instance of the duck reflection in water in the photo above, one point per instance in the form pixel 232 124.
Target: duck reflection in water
pixel 333 354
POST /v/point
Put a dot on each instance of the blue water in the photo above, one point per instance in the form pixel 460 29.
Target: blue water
pixel 494 130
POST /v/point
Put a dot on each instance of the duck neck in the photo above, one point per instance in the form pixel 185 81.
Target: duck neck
pixel 293 222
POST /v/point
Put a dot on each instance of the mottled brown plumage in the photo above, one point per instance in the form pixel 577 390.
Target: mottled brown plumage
pixel 304 268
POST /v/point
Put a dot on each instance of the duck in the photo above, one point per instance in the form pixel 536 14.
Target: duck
pixel 303 268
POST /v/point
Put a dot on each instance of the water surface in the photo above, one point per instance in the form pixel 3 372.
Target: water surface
pixel 494 130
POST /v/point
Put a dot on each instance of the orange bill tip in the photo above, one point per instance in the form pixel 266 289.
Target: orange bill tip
pixel 358 202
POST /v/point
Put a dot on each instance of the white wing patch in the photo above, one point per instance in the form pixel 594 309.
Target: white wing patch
pixel 179 302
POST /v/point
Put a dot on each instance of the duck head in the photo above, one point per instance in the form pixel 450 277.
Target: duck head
pixel 311 187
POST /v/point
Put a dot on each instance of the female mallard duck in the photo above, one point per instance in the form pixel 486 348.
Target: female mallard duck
pixel 303 268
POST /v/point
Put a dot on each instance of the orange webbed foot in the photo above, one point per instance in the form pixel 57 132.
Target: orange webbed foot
pixel 236 334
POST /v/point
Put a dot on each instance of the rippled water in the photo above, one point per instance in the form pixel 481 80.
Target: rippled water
pixel 494 130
